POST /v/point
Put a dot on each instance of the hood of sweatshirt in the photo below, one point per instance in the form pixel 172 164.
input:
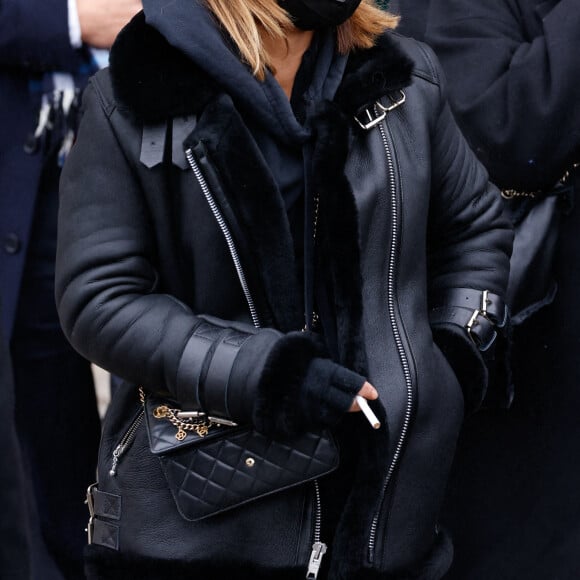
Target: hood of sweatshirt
pixel 155 72
pixel 189 27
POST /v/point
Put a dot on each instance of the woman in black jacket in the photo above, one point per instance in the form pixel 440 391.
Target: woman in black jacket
pixel 262 216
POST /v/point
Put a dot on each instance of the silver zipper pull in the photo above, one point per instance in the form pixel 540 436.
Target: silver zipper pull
pixel 318 551
pixel 116 455
pixel 126 442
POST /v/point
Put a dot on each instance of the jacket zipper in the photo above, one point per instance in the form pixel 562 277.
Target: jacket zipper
pixel 318 547
pixel 126 442
pixel 226 233
pixel 391 293
pixel 130 434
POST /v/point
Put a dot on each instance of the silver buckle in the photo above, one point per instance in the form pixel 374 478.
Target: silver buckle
pixel 374 117
pixel 482 346
pixel 91 505
pixel 473 322
pixel 372 121
pixel 394 103
pixel 484 302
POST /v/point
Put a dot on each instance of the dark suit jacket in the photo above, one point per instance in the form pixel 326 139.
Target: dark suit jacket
pixel 14 544
pixel 413 16
pixel 34 40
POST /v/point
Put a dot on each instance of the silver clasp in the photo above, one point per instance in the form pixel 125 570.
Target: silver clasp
pixel 378 113
pixel 394 102
pixel 484 302
pixel 374 118
pixel 473 322
pixel 222 422
pixel 91 505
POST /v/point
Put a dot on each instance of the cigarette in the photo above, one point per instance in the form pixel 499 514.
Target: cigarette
pixel 368 412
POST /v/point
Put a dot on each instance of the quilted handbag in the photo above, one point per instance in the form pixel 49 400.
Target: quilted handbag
pixel 212 467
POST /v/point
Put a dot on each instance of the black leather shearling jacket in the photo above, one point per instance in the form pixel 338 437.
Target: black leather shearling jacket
pixel 173 239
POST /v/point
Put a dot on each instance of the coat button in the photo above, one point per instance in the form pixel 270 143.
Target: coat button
pixel 11 244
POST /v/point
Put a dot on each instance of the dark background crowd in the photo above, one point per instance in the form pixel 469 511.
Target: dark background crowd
pixel 512 70
pixel 51 428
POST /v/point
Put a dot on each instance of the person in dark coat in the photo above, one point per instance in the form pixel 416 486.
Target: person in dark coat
pixel 265 214
pixel 512 68
pixel 414 17
pixel 44 63
pixel 14 532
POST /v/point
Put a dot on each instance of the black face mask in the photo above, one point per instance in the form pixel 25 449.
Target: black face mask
pixel 315 14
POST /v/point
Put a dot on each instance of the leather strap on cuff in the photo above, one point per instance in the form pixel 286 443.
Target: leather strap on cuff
pixel 478 327
pixel 489 304
pixel 219 373
pixel 479 312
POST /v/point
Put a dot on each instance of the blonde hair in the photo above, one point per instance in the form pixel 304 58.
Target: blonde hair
pixel 246 21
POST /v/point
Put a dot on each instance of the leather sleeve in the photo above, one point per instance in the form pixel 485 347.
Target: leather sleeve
pixel 469 238
pixel 114 314
pixel 469 245
pixel 107 289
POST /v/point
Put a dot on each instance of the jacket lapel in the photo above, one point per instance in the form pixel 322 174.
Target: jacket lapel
pixel 253 207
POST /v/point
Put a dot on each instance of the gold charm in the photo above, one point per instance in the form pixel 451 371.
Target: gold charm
pixel 161 412
pixel 202 430
pixel 201 427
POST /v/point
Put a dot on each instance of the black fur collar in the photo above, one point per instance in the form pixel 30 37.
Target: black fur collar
pixel 153 80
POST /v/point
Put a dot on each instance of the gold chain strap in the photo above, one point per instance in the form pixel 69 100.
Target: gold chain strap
pixel 316 208
pixel 314 233
pixel 199 425
pixel 513 193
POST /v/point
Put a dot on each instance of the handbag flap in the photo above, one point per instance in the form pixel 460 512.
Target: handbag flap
pixel 163 434
pixel 231 466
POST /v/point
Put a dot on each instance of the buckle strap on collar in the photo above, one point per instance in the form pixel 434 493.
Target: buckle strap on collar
pixel 373 115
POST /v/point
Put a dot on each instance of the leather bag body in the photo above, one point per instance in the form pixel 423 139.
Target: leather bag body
pixel 231 466
pixel 187 501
